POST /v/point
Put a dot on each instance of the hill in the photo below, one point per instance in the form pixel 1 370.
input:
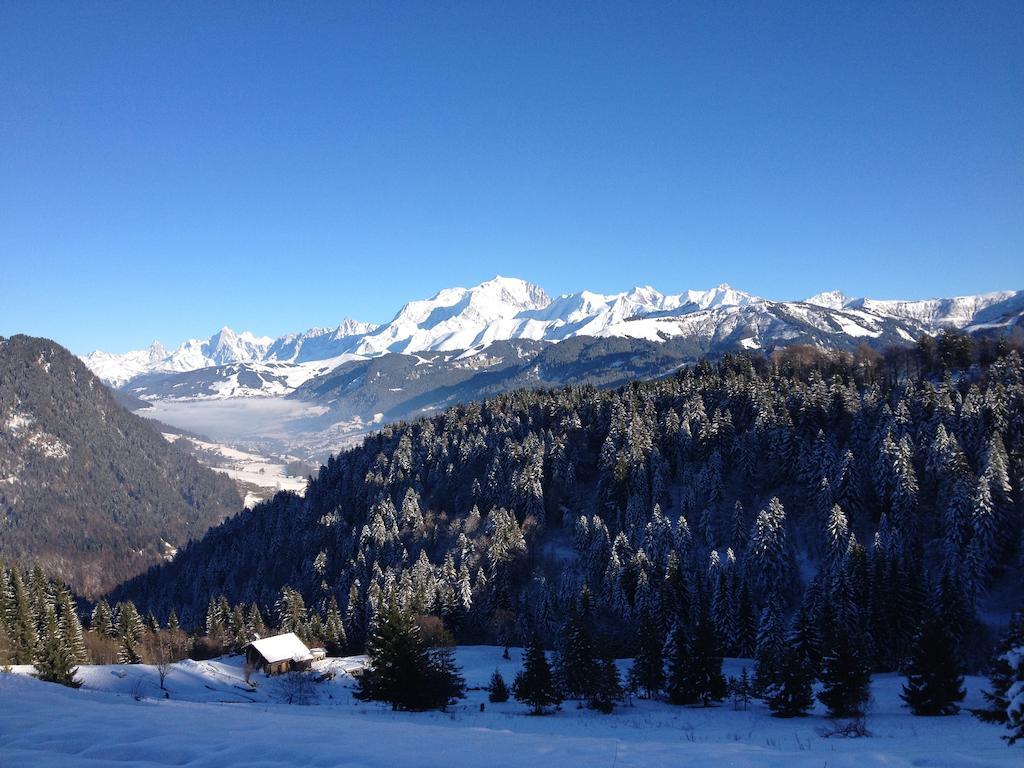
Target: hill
pixel 89 491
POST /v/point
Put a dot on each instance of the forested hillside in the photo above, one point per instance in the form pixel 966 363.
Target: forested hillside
pixel 88 491
pixel 853 491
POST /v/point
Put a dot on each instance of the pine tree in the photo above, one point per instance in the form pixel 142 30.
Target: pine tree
pixel 535 685
pixel 648 670
pixel 577 667
pixel 768 653
pixel 71 628
pixel 607 688
pixel 334 630
pixel 102 622
pixel 129 633
pixel 845 675
pixel 695 667
pixel 497 691
pixel 790 694
pixel 741 689
pixel 1006 678
pixel 934 683
pixel 402 670
pixel 24 635
pixel 56 662
pixel 172 621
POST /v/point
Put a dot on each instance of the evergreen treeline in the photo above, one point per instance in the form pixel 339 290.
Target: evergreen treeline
pixel 683 505
pixel 39 625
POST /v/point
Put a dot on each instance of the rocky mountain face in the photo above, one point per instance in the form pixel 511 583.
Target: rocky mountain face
pixel 89 491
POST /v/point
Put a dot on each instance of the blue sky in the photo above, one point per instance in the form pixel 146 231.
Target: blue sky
pixel 168 168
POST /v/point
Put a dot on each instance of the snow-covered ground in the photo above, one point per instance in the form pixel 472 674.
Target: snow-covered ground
pixel 211 717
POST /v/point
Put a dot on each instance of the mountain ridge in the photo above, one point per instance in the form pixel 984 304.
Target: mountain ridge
pixel 469 320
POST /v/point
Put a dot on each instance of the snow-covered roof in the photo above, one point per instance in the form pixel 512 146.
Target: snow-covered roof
pixel 286 647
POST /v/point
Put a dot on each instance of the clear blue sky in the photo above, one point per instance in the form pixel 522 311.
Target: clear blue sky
pixel 168 168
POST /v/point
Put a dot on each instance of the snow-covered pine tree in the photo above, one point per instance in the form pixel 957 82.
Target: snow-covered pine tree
pixel 769 648
pixel 1006 678
pixel 130 628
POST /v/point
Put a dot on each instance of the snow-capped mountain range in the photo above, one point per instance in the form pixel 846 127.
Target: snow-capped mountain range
pixel 469 320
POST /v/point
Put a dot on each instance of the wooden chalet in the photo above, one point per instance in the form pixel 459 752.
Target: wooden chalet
pixel 278 654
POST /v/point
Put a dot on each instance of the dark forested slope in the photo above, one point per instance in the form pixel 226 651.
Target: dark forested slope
pixel 89 491
pixel 739 489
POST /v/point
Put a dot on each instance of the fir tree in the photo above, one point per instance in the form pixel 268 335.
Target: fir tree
pixel 129 633
pixel 741 689
pixel 534 685
pixel 845 675
pixel 648 671
pixel 23 632
pixel 402 671
pixel 791 694
pixel 56 662
pixel 334 630
pixel 934 683
pixel 1006 678
pixel 577 666
pixel 71 628
pixel 768 653
pixel 497 691
pixel 102 622
pixel 695 667
pixel 607 688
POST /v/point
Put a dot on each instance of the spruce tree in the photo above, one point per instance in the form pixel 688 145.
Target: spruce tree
pixel 497 691
pixel 535 685
pixel 402 671
pixel 24 635
pixel 768 652
pixel 71 627
pixel 1006 678
pixel 934 683
pixel 334 630
pixel 648 671
pixel 607 688
pixel 845 675
pixel 102 622
pixel 129 633
pixel 677 659
pixel 791 694
pixel 695 667
pixel 56 662
pixel 577 667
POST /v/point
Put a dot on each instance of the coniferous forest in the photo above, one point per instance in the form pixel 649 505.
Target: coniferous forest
pixel 841 499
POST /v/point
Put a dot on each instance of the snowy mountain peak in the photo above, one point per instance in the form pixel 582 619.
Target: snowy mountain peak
pixel 508 308
pixel 722 295
pixel 829 299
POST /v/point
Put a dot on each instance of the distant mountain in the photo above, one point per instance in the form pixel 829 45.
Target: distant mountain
pixel 88 490
pixel 226 347
pixel 468 321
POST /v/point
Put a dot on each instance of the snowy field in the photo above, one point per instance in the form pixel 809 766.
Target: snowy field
pixel 211 717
